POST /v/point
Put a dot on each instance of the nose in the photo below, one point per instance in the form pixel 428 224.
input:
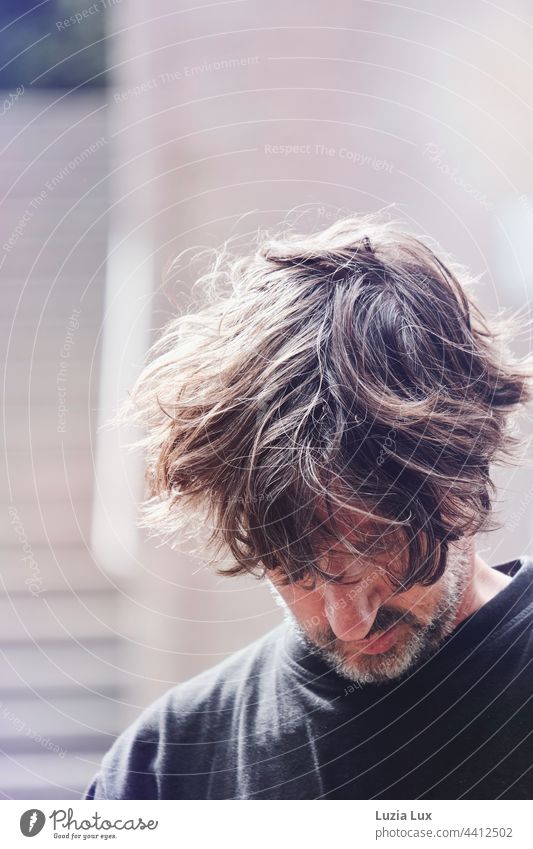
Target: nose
pixel 351 610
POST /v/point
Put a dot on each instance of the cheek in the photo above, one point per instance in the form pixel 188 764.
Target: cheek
pixel 306 605
pixel 419 601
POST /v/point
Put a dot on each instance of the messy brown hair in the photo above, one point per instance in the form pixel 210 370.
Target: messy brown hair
pixel 348 370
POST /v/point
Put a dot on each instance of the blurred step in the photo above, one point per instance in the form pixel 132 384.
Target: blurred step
pixel 19 179
pixel 80 257
pixel 36 380
pixel 58 667
pixel 78 210
pixel 62 617
pixel 54 474
pixel 64 523
pixel 48 334
pixel 47 776
pixel 68 569
pixel 36 426
pixel 41 301
pixel 60 720
pixel 61 126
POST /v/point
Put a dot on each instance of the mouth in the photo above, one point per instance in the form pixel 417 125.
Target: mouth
pixel 380 642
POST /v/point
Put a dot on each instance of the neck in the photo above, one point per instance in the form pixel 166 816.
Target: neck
pixel 484 583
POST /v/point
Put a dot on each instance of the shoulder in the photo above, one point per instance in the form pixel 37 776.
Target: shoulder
pixel 182 728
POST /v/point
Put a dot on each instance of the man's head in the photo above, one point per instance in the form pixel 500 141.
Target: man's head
pixel 339 400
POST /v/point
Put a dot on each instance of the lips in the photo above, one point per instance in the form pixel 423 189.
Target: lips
pixel 379 643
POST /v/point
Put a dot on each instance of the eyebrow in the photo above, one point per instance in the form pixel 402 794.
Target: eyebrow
pixel 378 546
pixel 342 578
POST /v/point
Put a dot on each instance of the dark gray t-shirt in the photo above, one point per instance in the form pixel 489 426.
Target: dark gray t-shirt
pixel 275 722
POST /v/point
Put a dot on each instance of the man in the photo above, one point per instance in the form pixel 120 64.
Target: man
pixel 336 409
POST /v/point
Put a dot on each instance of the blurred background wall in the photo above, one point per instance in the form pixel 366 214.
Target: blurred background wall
pixel 131 132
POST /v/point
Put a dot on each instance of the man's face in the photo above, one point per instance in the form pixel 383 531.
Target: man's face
pixel 369 631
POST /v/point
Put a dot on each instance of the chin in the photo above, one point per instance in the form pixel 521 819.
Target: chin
pixel 380 668
pixel 374 670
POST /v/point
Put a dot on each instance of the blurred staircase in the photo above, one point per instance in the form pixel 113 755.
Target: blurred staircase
pixel 59 682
